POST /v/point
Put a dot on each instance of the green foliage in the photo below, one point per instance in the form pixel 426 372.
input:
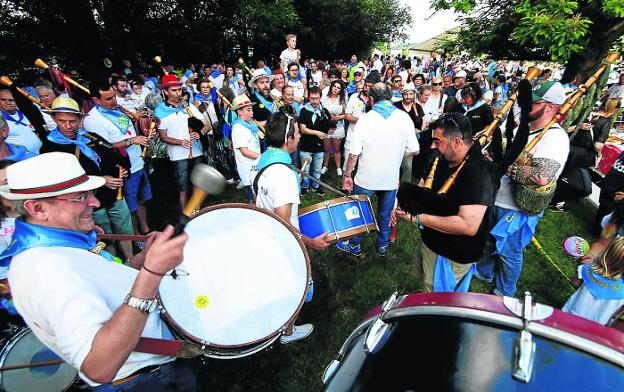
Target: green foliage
pixel 613 7
pixel 552 23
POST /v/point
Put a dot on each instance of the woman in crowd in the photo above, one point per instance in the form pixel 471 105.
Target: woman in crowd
pixel 388 74
pixel 435 103
pixel 501 93
pixel 324 80
pixel 335 102
pixel 477 111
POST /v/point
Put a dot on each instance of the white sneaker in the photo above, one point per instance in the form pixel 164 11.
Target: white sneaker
pixel 339 172
pixel 323 170
pixel 299 332
pixel 231 181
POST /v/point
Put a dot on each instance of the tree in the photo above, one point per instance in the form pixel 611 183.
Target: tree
pixel 577 33
pixel 81 33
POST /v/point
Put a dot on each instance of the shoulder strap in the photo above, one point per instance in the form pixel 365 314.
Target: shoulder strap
pixel 255 183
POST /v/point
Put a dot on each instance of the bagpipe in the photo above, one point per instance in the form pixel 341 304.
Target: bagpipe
pixel 416 199
pixel 532 198
pixel 63 82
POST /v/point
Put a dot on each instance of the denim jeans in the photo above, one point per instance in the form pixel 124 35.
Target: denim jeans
pixel 317 164
pixel 385 203
pixel 504 268
pixel 172 376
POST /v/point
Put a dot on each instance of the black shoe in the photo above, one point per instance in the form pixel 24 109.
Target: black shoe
pixel 320 191
pixel 303 192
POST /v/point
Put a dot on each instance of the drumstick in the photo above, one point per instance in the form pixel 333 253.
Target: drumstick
pixel 120 188
pixel 32 365
pixel 324 185
pixel 122 237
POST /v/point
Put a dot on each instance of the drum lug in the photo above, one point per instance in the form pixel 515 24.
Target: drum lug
pixel 537 311
pixel 524 346
pixel 380 331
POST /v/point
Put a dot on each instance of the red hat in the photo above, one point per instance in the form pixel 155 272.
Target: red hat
pixel 170 81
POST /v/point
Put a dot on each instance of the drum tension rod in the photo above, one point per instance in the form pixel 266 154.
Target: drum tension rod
pixel 524 346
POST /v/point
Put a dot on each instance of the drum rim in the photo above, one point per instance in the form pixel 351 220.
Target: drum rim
pixel 564 328
pixel 333 202
pixel 346 234
pixel 13 341
pixel 178 328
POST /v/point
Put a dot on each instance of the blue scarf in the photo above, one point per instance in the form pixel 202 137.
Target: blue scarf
pixel 384 108
pixel 202 98
pixel 601 287
pixel 277 155
pixel 233 83
pixel 27 236
pixel 294 80
pixel 120 120
pixel 510 224
pixel 268 105
pixel 315 112
pixel 163 110
pixel 296 106
pixel 20 117
pixel 215 74
pixel 18 153
pixel 80 141
pixel 474 107
pixel 252 126
pixel 444 280
pixel 351 88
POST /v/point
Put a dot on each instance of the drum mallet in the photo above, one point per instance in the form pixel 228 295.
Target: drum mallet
pixel 206 181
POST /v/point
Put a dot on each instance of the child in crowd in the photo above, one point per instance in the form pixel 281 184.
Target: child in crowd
pixel 600 285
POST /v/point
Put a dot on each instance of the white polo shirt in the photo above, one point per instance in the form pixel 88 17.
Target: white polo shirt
pixel 278 187
pixel 176 126
pixel 21 132
pixel 381 145
pixel 242 137
pixel 99 124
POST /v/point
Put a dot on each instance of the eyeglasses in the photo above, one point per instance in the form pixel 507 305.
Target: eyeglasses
pixel 80 199
pixel 396 80
pixel 436 84
pixel 448 118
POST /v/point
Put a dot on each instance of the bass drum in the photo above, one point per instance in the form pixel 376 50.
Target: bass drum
pixel 244 279
pixel 466 342
pixel 19 347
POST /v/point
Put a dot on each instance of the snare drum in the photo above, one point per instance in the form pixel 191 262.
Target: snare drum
pixel 243 280
pixel 344 218
pixel 21 347
pixel 466 342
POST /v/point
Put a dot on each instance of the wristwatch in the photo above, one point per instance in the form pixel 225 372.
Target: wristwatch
pixel 128 142
pixel 144 305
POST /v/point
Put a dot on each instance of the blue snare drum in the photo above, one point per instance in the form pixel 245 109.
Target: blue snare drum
pixel 344 218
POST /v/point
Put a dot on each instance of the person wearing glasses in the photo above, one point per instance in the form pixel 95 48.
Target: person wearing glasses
pixel 113 215
pixel 396 86
pixel 435 104
pixel 514 228
pixel 85 307
pixel 277 189
pixel 451 245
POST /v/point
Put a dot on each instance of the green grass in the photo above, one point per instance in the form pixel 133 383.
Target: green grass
pixel 346 289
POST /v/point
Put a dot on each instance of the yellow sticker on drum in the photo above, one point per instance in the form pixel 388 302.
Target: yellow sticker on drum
pixel 201 301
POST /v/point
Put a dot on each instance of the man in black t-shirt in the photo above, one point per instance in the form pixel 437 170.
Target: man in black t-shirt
pixel 263 103
pixel 452 244
pixel 314 123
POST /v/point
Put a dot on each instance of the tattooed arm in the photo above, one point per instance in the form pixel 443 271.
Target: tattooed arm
pixel 540 172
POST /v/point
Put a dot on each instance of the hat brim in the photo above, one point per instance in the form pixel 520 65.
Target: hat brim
pixel 93 182
pixel 254 79
pixel 50 112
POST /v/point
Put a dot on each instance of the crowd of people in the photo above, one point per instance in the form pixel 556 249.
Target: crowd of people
pixel 74 165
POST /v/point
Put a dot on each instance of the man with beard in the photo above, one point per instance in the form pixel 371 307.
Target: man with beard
pixel 120 85
pixel 181 133
pixel 106 120
pixel 452 244
pixel 263 104
pixel 515 228
pixel 415 111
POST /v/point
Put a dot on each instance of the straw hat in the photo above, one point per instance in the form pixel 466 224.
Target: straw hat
pixel 241 101
pixel 65 105
pixel 58 173
pixel 259 74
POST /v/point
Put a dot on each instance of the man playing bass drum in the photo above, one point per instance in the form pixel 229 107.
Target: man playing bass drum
pixel 451 244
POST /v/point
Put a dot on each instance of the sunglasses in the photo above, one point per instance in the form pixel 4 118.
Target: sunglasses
pixel 396 80
pixel 448 118
pixel 436 84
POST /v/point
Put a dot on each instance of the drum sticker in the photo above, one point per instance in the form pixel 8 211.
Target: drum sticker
pixel 352 213
pixel 201 301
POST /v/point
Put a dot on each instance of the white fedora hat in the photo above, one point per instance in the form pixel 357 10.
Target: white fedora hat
pixel 259 74
pixel 47 175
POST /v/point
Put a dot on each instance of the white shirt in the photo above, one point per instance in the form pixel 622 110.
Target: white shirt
pixel 278 187
pixel 49 122
pixel 99 124
pixel 297 87
pixel 382 144
pixel 276 93
pixel 288 56
pixel 65 295
pixel 433 109
pixel 242 137
pixel 377 64
pixel 316 77
pixel 176 125
pixel 554 145
pixel 128 103
pixel 23 135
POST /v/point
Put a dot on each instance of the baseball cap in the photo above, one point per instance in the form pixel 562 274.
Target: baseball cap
pixel 552 92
